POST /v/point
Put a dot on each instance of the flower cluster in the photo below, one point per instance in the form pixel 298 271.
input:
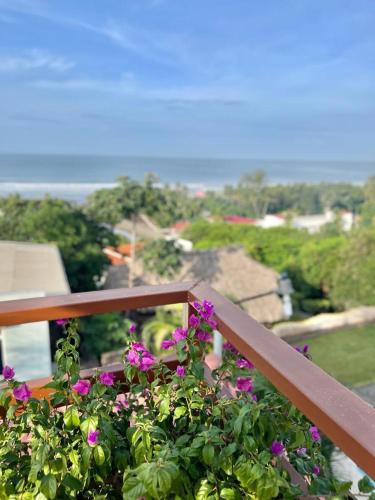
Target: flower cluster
pixel 140 357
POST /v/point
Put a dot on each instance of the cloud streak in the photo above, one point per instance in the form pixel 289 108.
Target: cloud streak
pixel 35 59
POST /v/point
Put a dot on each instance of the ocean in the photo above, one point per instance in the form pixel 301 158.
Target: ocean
pixel 73 177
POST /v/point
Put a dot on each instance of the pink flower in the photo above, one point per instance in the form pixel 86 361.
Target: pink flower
pixel 82 387
pixel 147 361
pixel 22 393
pixel 254 397
pixel 167 344
pixel 138 346
pixel 277 448
pixel 121 402
pixel 203 336
pixel 179 334
pixel 316 470
pixel 93 438
pixel 106 378
pixel 244 384
pixel 301 451
pixel 314 431
pixel 132 328
pixel 8 372
pixel 133 357
pixel 62 322
pixel 244 363
pixel 194 321
pixel 180 371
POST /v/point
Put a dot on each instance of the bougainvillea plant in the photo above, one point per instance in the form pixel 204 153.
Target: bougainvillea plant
pixel 159 433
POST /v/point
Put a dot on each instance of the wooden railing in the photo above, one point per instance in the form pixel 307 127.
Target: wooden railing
pixel 347 420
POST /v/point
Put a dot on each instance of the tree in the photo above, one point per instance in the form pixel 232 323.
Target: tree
pixel 368 208
pixel 252 190
pixel 162 257
pixel 157 329
pixel 79 238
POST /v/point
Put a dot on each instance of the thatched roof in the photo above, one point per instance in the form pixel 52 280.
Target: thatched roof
pixel 229 270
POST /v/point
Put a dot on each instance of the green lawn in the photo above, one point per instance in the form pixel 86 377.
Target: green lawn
pixel 348 355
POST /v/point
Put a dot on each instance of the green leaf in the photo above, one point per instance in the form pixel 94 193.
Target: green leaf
pixel 49 486
pixel 99 455
pixel 197 370
pixel 72 483
pixel 204 490
pixel 89 424
pixel 208 454
pixel 179 412
pixel 365 485
pixel 71 417
pixel 299 439
pixel 228 494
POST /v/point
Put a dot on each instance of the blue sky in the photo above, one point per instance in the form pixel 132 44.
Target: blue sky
pixel 201 78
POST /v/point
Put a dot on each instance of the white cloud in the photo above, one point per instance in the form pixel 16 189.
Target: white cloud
pixel 34 59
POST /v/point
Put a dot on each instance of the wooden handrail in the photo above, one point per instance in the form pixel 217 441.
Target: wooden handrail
pixel 347 420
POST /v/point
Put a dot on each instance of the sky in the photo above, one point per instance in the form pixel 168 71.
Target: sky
pixel 279 79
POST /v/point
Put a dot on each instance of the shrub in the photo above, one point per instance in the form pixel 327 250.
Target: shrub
pixel 168 435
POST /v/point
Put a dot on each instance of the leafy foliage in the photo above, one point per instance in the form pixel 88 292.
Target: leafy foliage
pixel 162 257
pixel 169 436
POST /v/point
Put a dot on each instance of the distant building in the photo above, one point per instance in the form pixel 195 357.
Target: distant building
pixel 253 286
pixel 271 220
pixel 29 270
pixel 239 219
pixel 314 223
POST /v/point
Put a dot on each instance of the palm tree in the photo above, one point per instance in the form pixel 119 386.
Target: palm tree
pixel 157 329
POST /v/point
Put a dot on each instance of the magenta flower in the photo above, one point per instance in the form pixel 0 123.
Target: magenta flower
pixel 196 305
pixel 314 432
pixel 133 357
pixel 62 322
pixel 254 397
pixel 301 451
pixel 93 438
pixel 208 307
pixel 8 372
pixel 82 387
pixel 138 346
pixel 316 470
pixel 277 448
pixel 194 321
pixel 212 323
pixel 179 334
pixel 147 361
pixel 106 378
pixel 180 371
pixel 244 363
pixel 244 384
pixel 121 402
pixel 132 328
pixel 230 347
pixel 203 336
pixel 22 393
pixel 167 344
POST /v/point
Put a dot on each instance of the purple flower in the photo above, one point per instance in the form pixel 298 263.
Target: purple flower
pixel 180 371
pixel 298 349
pixel 314 431
pixel 132 328
pixel 212 323
pixel 8 372
pixel 208 307
pixel 316 470
pixel 244 363
pixel 22 393
pixel 230 347
pixel 179 334
pixel 277 448
pixel 121 402
pixel 93 438
pixel 106 378
pixel 167 344
pixel 82 387
pixel 254 397
pixel 301 451
pixel 244 384
pixel 305 348
pixel 147 361
pixel 196 305
pixel 203 336
pixel 133 357
pixel 62 322
pixel 138 346
pixel 194 321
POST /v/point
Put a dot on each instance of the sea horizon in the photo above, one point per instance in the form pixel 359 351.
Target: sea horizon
pixel 74 177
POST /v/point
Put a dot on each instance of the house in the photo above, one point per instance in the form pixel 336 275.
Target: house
pixel 238 219
pixel 271 220
pixel 229 270
pixel 314 223
pixel 29 270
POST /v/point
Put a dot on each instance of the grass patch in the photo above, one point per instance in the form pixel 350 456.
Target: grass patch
pixel 348 355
